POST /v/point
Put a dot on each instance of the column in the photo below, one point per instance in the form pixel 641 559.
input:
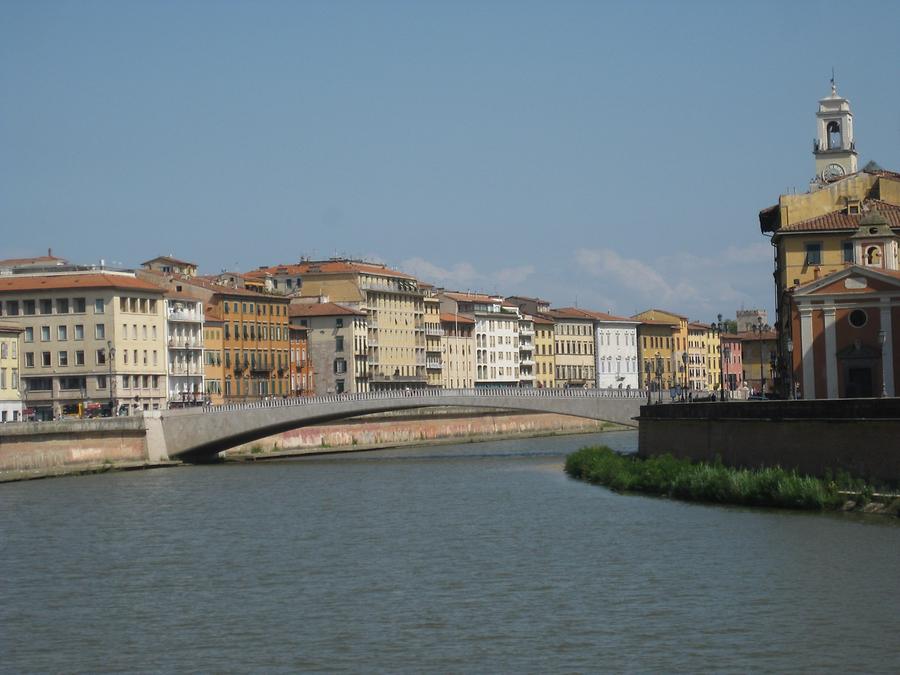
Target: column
pixel 887 350
pixel 806 351
pixel 831 374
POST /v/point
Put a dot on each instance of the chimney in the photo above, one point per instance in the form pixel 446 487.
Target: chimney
pixel 49 252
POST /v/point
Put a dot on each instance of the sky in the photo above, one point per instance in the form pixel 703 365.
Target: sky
pixel 612 156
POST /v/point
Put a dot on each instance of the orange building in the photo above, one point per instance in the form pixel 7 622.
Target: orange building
pixel 302 383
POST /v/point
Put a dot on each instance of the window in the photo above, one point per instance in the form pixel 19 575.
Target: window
pixel 98 306
pixel 12 307
pixel 101 382
pixel 62 306
pixel 847 249
pixel 46 307
pixel 79 357
pixel 29 359
pixel 101 357
pixel 28 307
pixel 29 334
pixel 339 386
pixel 340 366
pixel 99 331
pixel 62 358
pixel 45 333
pixel 814 254
pixel 62 333
pixel 339 343
pixel 45 359
pixel 339 323
pixel 79 331
pixel 79 305
pixel 858 318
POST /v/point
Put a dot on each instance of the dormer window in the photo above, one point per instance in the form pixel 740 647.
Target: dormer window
pixel 853 207
pixel 834 135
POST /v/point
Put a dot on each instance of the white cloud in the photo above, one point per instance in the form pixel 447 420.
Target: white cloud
pixel 464 275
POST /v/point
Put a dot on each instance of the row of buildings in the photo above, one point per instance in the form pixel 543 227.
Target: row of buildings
pixel 83 340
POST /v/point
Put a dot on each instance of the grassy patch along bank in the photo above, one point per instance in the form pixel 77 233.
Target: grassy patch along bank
pixel 715 483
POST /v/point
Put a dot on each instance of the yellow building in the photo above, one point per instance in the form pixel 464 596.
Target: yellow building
pixel 457 351
pixel 664 334
pixel 433 333
pixel 10 396
pixel 828 230
pixel 213 356
pixel 393 302
pixel 574 352
pixel 544 352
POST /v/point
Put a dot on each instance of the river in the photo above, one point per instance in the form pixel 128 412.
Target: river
pixel 455 558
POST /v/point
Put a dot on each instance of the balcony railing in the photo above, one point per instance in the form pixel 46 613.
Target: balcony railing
pixel 434 332
pixel 185 343
pixel 193 317
pixel 434 364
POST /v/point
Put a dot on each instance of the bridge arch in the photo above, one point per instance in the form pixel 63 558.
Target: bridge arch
pixel 196 434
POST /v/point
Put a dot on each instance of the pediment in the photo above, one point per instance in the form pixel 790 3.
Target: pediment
pixel 853 280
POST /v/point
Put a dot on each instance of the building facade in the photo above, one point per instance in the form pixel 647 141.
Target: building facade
pixel 302 382
pixel 544 351
pixel 337 338
pixel 458 351
pixel 10 395
pixel 574 348
pixel 185 340
pixel 213 356
pixel 433 331
pixel 88 338
pixel 616 348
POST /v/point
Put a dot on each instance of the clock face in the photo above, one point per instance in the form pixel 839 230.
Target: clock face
pixel 833 172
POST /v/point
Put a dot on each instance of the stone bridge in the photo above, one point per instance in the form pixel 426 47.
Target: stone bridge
pixel 194 434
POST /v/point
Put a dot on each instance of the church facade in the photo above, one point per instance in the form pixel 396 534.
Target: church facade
pixel 837 270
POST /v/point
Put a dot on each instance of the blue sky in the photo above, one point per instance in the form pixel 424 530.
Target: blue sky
pixel 610 155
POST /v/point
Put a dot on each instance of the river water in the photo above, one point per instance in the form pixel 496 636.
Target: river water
pixel 466 558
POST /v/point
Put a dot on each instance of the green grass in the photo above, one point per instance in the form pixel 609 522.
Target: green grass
pixel 703 482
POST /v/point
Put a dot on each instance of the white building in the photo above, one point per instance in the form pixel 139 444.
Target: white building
pixel 184 342
pixel 527 369
pixel 496 336
pixel 616 351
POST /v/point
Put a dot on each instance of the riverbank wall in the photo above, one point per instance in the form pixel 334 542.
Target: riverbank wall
pixel 858 436
pixel 426 426
pixel 72 446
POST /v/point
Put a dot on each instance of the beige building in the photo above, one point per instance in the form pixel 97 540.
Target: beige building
pixel 433 362
pixel 10 396
pixel 88 338
pixel 166 264
pixel 393 303
pixel 337 339
pixel 544 352
pixel 458 351
pixel 574 338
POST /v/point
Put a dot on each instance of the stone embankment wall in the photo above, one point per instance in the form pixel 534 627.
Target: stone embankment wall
pixel 859 436
pixel 71 444
pixel 422 427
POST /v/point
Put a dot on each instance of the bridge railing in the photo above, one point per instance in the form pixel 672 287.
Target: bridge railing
pixel 407 394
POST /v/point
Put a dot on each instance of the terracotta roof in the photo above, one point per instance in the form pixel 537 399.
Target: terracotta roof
pixel 51 282
pixel 578 313
pixel 460 296
pixel 313 267
pixel 222 290
pixel 322 309
pixel 653 322
pixel 660 311
pixel 841 220
pixel 698 325
pixel 447 317
pixel 15 262
pixel 168 258
pixel 539 318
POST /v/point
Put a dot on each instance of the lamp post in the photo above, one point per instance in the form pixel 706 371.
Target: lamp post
pixel 882 336
pixel 790 367
pixel 659 372
pixel 110 357
pixel 647 371
pixel 717 329
pixel 684 368
pixel 726 358
pixel 759 330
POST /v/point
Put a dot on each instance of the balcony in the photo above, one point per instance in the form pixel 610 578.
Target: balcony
pixel 433 364
pixel 182 315
pixel 527 362
pixel 183 370
pixel 434 332
pixel 185 343
pixel 526 331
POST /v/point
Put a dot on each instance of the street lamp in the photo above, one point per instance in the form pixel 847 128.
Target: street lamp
pixel 759 329
pixel 684 369
pixel 882 336
pixel 110 357
pixel 647 368
pixel 717 329
pixel 659 372
pixel 790 367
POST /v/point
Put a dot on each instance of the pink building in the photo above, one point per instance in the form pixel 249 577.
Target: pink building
pixel 732 361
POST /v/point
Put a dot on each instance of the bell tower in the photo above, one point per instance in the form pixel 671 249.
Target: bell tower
pixel 834 147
